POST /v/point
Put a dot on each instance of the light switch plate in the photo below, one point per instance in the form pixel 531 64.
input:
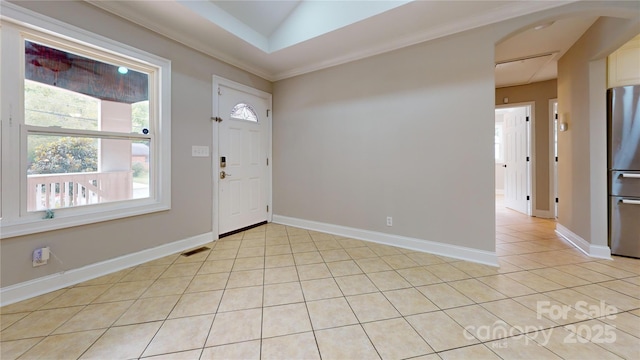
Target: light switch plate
pixel 199 151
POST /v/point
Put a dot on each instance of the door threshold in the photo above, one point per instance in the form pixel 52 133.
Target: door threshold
pixel 241 229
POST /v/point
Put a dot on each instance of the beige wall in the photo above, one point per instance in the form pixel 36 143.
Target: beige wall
pixel 540 93
pixel 191 179
pixel 407 134
pixel 582 164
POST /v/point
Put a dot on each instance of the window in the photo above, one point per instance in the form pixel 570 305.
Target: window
pixel 86 135
pixel 244 111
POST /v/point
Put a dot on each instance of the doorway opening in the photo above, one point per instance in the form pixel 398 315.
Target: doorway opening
pixel 513 149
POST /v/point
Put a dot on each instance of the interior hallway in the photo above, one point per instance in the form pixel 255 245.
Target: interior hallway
pixel 277 292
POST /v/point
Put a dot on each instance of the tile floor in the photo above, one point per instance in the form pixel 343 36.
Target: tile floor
pixel 277 292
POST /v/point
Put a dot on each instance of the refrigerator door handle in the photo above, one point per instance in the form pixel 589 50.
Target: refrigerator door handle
pixel 630 202
pixel 630 175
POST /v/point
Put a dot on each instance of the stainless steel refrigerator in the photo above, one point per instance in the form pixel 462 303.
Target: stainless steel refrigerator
pixel 623 112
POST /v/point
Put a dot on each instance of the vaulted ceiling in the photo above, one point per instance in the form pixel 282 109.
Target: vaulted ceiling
pixel 283 38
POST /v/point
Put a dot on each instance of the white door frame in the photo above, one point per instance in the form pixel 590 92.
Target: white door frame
pixel 215 154
pixel 530 150
pixel 553 168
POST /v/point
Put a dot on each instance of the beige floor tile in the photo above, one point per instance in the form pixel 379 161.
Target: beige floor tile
pixel 280 275
pixel 165 260
pixel 7 320
pixel 13 349
pixel 222 254
pixel 479 351
pixel 419 276
pixel 559 341
pixel 424 258
pixel 241 298
pixel 410 301
pixel 63 346
pixel 181 355
pixel 355 285
pixel 480 323
pixel 330 244
pixel 124 291
pixel 444 296
pixel 303 247
pixel 447 272
pixel 281 347
pixel 39 323
pixel 349 342
pixel 608 337
pixel 399 261
pixel 149 309
pixel 168 286
pixel 623 287
pixel 109 278
pixel 216 266
pixel 521 262
pixel 251 252
pixel 320 289
pixel 123 342
pixel 506 285
pixel 180 335
pixel 313 271
pixel 383 250
pixel 279 294
pixel 334 255
pixel 144 273
pixel 440 331
pixel 610 297
pixel 208 282
pixel 181 270
pixel 520 347
pixel 235 326
pixel 245 278
pixel 533 281
pixel 198 257
pixel 249 243
pixel 277 240
pixel 362 252
pixel 476 270
pixel 517 315
pixel 77 296
pixel 476 290
pixel 344 268
pixel 584 273
pixel 611 271
pixel 370 265
pixel 252 263
pixel 96 316
pixel 248 350
pixel 285 320
pixel 560 277
pixel 306 258
pixel 624 321
pixel 396 339
pixel 347 243
pixel 551 309
pixel 372 307
pixel 330 313
pixel 388 280
pixel 278 249
pixel 278 261
pixel 199 303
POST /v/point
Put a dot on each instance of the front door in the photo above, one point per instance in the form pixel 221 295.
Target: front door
pixel 243 129
pixel 516 158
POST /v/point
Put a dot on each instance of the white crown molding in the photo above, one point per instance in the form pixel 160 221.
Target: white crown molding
pixel 432 247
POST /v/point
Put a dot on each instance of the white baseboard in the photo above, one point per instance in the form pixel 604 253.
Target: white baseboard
pixel 28 289
pixel 595 251
pixel 432 247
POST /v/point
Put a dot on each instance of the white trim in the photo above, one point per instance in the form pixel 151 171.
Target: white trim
pixel 552 161
pixel 432 247
pixel 499 191
pixel 215 155
pixel 594 251
pixel 28 289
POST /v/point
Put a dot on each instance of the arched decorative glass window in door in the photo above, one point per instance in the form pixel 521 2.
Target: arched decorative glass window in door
pixel 244 111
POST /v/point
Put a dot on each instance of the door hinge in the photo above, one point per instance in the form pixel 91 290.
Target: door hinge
pixel 216 119
pixel 556 116
pixel 267 161
pixel 556 200
pixel 556 159
pixel 268 112
pixel 528 197
pixel 267 208
pixel 527 118
pixel 219 91
pixel 527 158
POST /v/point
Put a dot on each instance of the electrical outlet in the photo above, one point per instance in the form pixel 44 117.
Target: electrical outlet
pixel 389 221
pixel 40 256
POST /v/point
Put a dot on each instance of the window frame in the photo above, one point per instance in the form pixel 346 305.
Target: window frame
pixel 15 220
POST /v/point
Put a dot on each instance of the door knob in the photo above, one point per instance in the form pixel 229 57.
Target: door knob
pixel 224 174
pixel 505 165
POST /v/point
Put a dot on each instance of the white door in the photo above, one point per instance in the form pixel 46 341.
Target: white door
pixel 516 158
pixel 243 130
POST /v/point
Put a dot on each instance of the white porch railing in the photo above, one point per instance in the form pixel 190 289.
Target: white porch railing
pixel 51 191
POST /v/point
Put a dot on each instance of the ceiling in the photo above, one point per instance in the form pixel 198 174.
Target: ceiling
pixel 284 38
